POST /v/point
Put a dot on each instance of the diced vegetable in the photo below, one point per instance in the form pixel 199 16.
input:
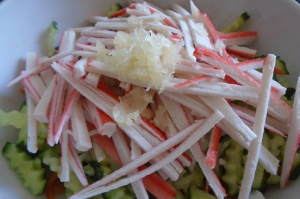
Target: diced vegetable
pixel 53 30
pixel 237 23
pixel 28 169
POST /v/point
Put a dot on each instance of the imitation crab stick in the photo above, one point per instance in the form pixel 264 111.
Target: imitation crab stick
pixel 193 138
pixel 124 153
pixel 212 153
pixel 65 168
pixel 293 139
pixel 258 127
pixel 155 184
pixel 143 159
pixel 66 114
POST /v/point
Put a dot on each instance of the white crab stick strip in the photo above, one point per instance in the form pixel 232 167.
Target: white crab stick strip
pixel 32 131
pixel 47 76
pixel 267 159
pixel 173 141
pixel 277 88
pixel 157 27
pixel 66 114
pixel 31 125
pixel 258 127
pixel 124 153
pixel 102 122
pixel 99 33
pixel 33 84
pixel 39 68
pixel 67 43
pixel 186 32
pixel 154 142
pixel 99 153
pixel 282 127
pixel 86 47
pixel 79 68
pixel 76 164
pixel 176 112
pixel 198 32
pixel 66 54
pixel 94 97
pixel 251 120
pixel 217 89
pixel 56 106
pixel 41 112
pixel 198 70
pixel 80 131
pixel 230 116
pixel 243 78
pixel 65 169
pixel 186 144
pixel 108 42
pixel 118 26
pixel 211 177
pixel 293 139
pixel 92 79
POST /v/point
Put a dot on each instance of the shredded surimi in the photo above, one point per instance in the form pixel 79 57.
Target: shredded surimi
pixel 258 127
pixel 292 143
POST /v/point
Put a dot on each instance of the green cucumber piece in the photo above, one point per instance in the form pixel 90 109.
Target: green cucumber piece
pixel 237 23
pixel 295 168
pixel 119 193
pixel 280 65
pixel 195 193
pixel 114 8
pixel 233 167
pixel 28 169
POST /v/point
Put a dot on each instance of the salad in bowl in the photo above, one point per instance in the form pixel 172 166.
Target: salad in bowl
pixel 179 99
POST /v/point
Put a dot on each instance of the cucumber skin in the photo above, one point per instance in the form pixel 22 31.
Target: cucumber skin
pixel 237 23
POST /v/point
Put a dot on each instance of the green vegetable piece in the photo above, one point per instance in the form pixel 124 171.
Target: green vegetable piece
pixel 190 179
pixel 233 167
pixel 295 168
pixel 280 65
pixel 99 170
pixel 236 24
pixel 51 158
pixel 28 169
pixel 114 8
pixel 73 185
pixel 119 193
pixel 195 193
pixel 53 30
pixel 13 118
pixel 259 178
pixel 41 141
pixel 277 145
pixel 179 195
pixel 273 179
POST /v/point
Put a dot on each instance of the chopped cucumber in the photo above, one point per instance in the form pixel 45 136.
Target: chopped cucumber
pixel 13 118
pixel 53 30
pixel 73 185
pixel 237 23
pixel 281 66
pixel 195 193
pixel 119 193
pixel 114 8
pixel 28 169
pixel 233 166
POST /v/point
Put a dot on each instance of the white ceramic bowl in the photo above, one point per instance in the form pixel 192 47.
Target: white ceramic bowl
pixel 23 26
